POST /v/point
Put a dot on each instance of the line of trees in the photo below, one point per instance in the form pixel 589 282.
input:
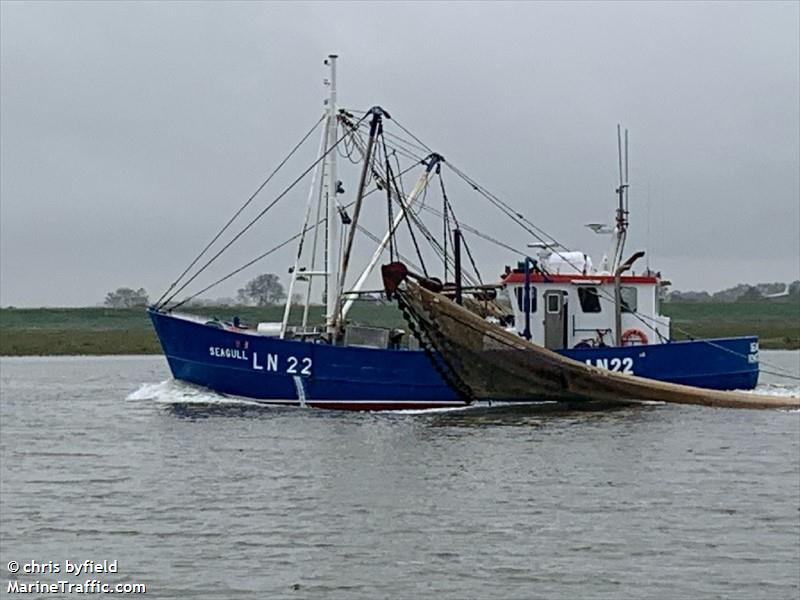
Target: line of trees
pixel 740 293
pixel 263 290
pixel 126 298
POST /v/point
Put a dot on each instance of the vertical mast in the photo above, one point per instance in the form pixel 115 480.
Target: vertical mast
pixel 375 129
pixel 622 209
pixel 332 229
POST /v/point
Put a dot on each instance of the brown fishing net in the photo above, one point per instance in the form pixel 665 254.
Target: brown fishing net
pixel 488 363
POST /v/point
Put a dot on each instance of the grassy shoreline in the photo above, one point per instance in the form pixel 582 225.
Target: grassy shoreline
pixel 101 331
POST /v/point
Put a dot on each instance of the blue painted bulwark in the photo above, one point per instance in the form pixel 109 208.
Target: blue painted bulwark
pixel 240 363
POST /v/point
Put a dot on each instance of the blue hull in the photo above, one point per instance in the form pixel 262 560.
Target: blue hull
pixel 718 364
pixel 293 372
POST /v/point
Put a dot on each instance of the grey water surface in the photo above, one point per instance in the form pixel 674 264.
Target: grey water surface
pixel 197 497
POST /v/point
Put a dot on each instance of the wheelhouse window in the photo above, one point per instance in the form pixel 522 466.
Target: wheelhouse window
pixel 590 299
pixel 629 297
pixel 553 303
pixel 520 293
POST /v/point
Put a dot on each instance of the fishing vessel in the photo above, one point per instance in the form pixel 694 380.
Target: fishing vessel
pixel 606 317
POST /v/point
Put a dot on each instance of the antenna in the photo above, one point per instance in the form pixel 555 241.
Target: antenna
pixel 619 153
pixel 627 184
pixel 622 191
pixel 647 245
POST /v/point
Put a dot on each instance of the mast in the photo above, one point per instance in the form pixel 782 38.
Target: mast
pixel 375 129
pixel 332 230
pixel 622 208
pixel 617 266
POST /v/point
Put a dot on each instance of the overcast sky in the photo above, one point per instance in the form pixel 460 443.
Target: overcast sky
pixel 131 131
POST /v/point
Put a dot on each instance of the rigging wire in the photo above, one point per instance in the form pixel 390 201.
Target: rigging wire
pixel 319 222
pixel 406 211
pixel 412 136
pixel 378 241
pixel 445 227
pixel 504 207
pixel 418 145
pixel 400 146
pixel 397 181
pixel 455 220
pixel 533 229
pixel 437 213
pixel 158 303
pixel 375 171
pixel 256 218
pixel 238 270
pixel 520 219
pixel 414 214
pixel 434 243
pixel 400 171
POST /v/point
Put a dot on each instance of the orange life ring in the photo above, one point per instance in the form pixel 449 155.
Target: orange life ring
pixel 632 337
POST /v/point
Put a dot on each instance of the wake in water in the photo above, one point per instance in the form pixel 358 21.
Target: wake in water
pixel 775 389
pixel 173 391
